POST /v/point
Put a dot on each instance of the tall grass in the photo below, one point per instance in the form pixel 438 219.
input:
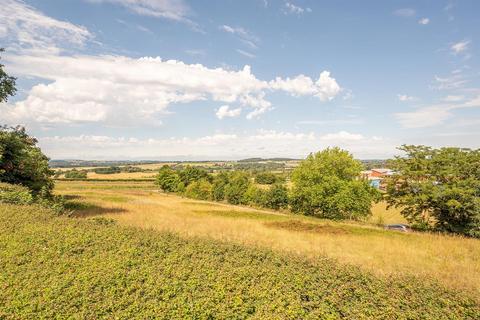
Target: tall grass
pixel 453 261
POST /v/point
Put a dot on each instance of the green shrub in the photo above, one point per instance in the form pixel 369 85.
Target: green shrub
pixel 220 181
pixel 191 174
pixel 107 170
pixel 200 190
pixel 76 174
pixel 255 196
pixel 277 197
pixel 15 194
pixel 167 179
pixel 237 186
pixel 266 178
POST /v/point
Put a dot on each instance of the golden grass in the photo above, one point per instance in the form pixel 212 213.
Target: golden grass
pixel 453 261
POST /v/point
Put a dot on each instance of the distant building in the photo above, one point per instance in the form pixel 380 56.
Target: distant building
pixel 375 176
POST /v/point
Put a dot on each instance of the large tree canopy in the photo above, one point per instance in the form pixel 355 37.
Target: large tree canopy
pixel 327 184
pixel 22 162
pixel 7 84
pixel 437 188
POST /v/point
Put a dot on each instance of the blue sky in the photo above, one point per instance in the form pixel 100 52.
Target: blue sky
pixel 174 79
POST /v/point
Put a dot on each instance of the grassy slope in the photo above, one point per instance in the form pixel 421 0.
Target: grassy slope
pixel 453 261
pixel 58 267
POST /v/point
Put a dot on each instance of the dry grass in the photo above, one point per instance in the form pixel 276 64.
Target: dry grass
pixel 453 261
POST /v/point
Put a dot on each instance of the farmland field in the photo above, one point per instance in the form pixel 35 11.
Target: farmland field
pixel 452 261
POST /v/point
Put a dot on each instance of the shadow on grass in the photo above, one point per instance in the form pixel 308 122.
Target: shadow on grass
pixel 86 209
pixel 293 225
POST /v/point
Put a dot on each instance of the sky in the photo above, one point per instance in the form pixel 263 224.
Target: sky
pixel 199 80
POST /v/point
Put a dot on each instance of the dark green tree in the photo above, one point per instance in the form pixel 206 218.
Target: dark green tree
pixel 327 184
pixel 237 186
pixel 277 197
pixel 7 84
pixel 167 179
pixel 191 174
pixel 437 189
pixel 22 162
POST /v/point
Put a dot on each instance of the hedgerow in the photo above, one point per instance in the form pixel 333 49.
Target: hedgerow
pixel 58 267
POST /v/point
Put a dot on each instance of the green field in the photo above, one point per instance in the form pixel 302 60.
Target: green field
pixel 57 267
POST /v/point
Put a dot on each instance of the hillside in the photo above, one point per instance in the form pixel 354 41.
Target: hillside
pixel 92 268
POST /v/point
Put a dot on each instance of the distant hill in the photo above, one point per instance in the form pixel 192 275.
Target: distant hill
pixel 265 159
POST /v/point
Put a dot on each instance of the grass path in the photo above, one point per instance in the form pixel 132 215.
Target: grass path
pixel 453 261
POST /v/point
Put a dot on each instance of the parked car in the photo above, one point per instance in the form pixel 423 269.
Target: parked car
pixel 398 227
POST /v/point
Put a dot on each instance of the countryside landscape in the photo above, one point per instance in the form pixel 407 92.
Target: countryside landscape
pixel 139 187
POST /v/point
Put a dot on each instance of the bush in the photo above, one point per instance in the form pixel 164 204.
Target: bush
pixel 220 181
pixel 75 174
pixel 266 178
pixel 237 186
pixel 200 190
pixel 191 174
pixel 107 170
pixel 327 184
pixel 15 194
pixel 255 196
pixel 276 197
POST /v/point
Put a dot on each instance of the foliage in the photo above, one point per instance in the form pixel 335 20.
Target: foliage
pixel 7 83
pixel 15 194
pixel 218 188
pixel 255 196
pixel 22 162
pixel 438 189
pixel 107 170
pixel 56 268
pixel 167 179
pixel 277 197
pixel 200 190
pixel 76 174
pixel 191 174
pixel 265 178
pixel 326 184
pixel 237 186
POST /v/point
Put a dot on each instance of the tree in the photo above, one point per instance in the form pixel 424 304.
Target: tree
pixel 191 174
pixel 236 187
pixel 7 84
pixel 167 179
pixel 266 178
pixel 327 184
pixel 277 197
pixel 255 196
pixel 437 189
pixel 200 190
pixel 22 162
pixel 75 174
pixel 218 187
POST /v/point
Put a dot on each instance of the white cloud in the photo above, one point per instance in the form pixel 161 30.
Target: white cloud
pixel 245 36
pixel 454 81
pixel 290 8
pixel 264 143
pixel 405 12
pixel 225 111
pixel 27 29
pixel 404 97
pixel 453 98
pixel 460 47
pixel 246 54
pixel 169 9
pixel 424 21
pixel 120 90
pixel 433 115
pixel 325 88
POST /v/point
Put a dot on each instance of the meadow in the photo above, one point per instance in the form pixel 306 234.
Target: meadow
pixel 92 268
pixel 451 261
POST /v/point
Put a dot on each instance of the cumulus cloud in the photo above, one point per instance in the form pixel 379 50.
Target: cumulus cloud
pixel 291 8
pixel 424 21
pixel 264 143
pixel 119 90
pixel 325 88
pixel 225 111
pixel 27 29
